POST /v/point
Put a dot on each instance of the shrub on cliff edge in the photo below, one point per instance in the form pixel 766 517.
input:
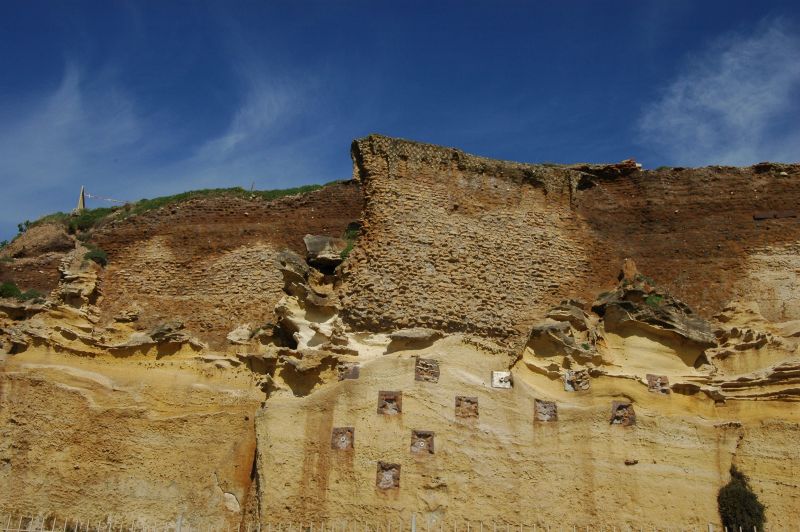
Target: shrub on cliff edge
pixel 9 290
pixel 97 255
pixel 88 219
pixel 34 295
pixel 739 505
pixel 350 236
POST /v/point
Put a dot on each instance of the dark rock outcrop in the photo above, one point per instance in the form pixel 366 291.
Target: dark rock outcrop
pixel 638 301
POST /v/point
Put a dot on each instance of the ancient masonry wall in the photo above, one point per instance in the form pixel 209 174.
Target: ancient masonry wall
pixel 210 262
pixel 38 273
pixel 458 242
pixel 465 243
pixel 709 235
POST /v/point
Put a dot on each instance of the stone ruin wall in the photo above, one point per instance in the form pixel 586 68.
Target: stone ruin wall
pixel 459 243
pixel 706 234
pixel 465 243
pixel 210 262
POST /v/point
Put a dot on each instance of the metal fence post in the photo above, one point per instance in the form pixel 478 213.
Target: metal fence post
pixel 414 522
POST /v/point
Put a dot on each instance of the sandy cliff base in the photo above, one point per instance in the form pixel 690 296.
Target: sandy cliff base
pixel 504 465
pixel 135 440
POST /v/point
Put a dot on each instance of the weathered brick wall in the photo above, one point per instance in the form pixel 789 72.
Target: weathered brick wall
pixel 460 242
pixel 38 273
pixel 209 262
pixel 695 232
pixel 31 260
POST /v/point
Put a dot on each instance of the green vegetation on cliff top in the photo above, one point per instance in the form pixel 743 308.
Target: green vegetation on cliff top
pixel 91 217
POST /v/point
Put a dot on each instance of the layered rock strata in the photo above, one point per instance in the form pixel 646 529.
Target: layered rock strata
pixel 475 357
pixel 464 243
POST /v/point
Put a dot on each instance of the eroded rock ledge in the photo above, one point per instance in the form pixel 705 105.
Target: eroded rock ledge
pixel 460 359
pixel 463 243
pixel 641 332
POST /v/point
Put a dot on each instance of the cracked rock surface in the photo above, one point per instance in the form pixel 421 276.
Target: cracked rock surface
pixel 229 364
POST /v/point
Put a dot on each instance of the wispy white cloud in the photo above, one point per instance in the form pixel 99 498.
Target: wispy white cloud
pixel 80 131
pixel 262 140
pixel 89 130
pixel 66 132
pixel 735 103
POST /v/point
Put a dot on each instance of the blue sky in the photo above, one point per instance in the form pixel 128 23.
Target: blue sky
pixel 141 99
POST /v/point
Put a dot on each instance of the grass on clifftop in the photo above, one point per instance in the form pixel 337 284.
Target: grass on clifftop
pixel 91 217
pixel 145 205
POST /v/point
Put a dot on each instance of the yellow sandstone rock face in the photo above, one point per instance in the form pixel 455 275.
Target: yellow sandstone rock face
pixel 466 243
pixel 138 441
pixel 477 357
pixel 116 425
pixel 508 465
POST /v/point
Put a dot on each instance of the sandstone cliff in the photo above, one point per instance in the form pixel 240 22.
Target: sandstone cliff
pixel 477 356
pixel 472 244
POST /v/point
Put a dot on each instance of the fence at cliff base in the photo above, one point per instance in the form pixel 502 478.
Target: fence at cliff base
pixel 46 523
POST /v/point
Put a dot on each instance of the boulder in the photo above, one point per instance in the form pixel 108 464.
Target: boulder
pixel 240 335
pixel 129 315
pixel 170 331
pixel 637 301
pixel 324 252
pixel 572 312
pixel 39 239
pixel 295 272
pixel 563 339
pixel 412 338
